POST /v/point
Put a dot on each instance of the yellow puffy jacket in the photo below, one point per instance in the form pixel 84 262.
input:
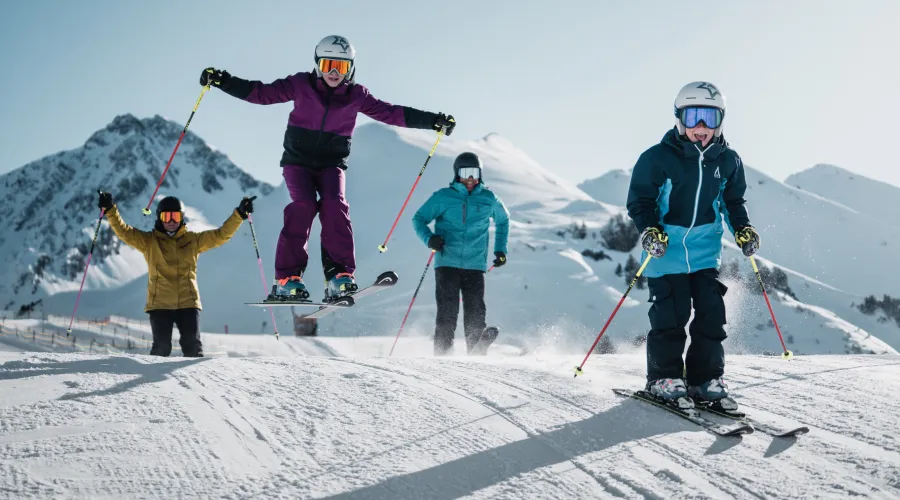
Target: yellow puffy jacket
pixel 172 260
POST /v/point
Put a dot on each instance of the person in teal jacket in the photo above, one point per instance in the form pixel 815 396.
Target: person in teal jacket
pixel 462 216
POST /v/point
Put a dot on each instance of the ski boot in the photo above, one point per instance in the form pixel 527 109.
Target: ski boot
pixel 289 289
pixel 713 394
pixel 341 285
pixel 670 391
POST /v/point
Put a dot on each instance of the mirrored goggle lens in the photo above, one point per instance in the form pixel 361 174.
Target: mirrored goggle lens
pixel 341 65
pixel 466 172
pixel 691 117
pixel 170 216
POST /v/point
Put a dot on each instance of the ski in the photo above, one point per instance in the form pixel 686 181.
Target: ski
pixel 692 414
pixel 488 336
pixel 384 280
pixel 740 416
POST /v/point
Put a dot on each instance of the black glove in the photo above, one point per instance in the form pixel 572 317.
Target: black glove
pixel 748 239
pixel 444 122
pixel 436 243
pixel 106 201
pixel 654 241
pixel 245 207
pixel 215 77
pixel 500 260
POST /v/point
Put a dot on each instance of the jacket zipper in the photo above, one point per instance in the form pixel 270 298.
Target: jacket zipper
pixel 324 116
pixel 465 231
pixel 687 257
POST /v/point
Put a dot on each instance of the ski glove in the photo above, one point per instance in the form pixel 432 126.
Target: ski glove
pixel 500 260
pixel 245 207
pixel 748 239
pixel 215 77
pixel 436 243
pixel 106 201
pixel 442 121
pixel 655 241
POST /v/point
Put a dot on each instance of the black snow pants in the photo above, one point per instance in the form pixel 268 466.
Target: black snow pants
pixel 672 296
pixel 449 283
pixel 188 323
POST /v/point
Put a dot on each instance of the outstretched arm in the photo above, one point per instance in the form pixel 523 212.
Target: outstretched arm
pixel 207 240
pixel 132 237
pixel 252 91
pixel 400 116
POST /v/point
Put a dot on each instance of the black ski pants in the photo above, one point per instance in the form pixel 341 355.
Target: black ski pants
pixel 188 323
pixel 672 296
pixel 449 283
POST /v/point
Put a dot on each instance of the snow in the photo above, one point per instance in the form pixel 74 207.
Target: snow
pixel 347 423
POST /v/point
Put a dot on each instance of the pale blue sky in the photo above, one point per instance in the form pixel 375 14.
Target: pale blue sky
pixel 581 86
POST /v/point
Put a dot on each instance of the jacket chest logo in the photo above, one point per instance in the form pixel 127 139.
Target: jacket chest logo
pixel 717 175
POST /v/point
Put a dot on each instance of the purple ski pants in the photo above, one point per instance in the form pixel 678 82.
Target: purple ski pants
pixel 303 184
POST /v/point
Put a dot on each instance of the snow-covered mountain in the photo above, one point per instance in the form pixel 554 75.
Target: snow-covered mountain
pixel 556 291
pixel 345 425
pixel 611 187
pixel 875 199
pixel 49 207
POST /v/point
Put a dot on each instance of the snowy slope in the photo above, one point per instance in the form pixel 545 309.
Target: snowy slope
pixel 872 198
pixel 348 427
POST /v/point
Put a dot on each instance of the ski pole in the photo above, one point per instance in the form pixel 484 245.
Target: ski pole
pixel 261 273
pixel 786 354
pixel 411 302
pixel 158 184
pixel 78 297
pixel 578 370
pixel 383 247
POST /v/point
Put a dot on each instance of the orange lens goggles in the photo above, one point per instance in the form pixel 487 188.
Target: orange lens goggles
pixel 170 216
pixel 341 65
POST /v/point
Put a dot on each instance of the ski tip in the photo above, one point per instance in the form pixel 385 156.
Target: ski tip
pixel 387 278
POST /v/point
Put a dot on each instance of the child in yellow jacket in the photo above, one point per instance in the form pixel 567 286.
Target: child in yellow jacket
pixel 171 252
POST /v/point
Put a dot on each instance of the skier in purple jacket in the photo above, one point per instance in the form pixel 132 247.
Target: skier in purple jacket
pixel 316 147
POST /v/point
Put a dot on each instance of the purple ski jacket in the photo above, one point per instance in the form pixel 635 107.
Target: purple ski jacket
pixel 322 121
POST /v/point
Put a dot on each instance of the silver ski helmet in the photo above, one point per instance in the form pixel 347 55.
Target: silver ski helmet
pixel 467 160
pixel 699 95
pixel 335 47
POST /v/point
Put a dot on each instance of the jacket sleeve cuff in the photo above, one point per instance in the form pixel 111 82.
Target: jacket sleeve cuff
pixel 416 118
pixel 238 87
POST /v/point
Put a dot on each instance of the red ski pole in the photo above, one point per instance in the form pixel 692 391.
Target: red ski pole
pixel 91 253
pixel 147 209
pixel 261 273
pixel 786 354
pixel 383 247
pixel 611 316
pixel 411 302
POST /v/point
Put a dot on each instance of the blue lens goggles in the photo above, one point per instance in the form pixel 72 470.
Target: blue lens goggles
pixel 692 116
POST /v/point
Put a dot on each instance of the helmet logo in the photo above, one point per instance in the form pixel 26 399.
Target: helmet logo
pixel 713 91
pixel 342 43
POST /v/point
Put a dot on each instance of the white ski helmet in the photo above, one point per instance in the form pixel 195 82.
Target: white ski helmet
pixel 702 94
pixel 336 47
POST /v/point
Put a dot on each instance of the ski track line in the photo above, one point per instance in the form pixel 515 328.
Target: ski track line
pixel 493 408
pixel 234 431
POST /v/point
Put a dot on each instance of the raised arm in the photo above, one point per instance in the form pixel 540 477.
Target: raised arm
pixel 252 91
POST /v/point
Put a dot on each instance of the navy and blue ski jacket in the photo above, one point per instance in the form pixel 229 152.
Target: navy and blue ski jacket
pixel 688 192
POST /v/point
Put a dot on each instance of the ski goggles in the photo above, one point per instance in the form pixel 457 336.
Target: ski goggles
pixel 170 216
pixel 466 172
pixel 692 116
pixel 341 65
